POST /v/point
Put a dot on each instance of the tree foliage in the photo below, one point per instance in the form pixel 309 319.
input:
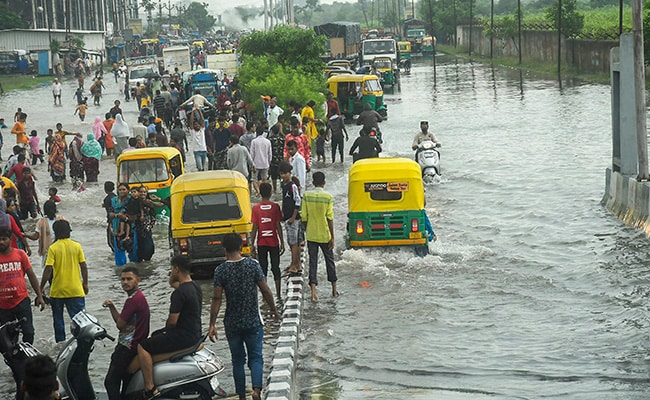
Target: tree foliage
pixel 572 20
pixel 287 46
pixel 285 62
pixel 10 20
pixel 196 17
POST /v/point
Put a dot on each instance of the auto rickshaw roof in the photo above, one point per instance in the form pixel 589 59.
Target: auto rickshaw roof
pixel 380 170
pixel 351 78
pixel 206 180
pixel 149 152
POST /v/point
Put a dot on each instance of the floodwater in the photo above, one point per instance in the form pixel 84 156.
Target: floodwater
pixel 533 290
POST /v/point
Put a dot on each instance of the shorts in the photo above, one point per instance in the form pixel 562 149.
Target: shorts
pixel 295 235
pixel 262 174
pixel 168 340
pixel 274 172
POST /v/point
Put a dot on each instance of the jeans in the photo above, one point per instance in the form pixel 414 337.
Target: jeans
pixel 312 249
pixel 73 305
pixel 200 158
pixel 22 310
pixel 252 338
pixel 117 377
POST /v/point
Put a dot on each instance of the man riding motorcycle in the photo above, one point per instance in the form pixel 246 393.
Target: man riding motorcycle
pixel 424 135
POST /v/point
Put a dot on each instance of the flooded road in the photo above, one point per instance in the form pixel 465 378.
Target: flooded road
pixel 532 291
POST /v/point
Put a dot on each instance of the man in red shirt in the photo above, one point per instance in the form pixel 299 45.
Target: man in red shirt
pixel 14 298
pixel 267 232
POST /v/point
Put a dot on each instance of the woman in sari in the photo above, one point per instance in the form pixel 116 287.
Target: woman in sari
pixel 117 213
pixel 76 159
pixel 57 159
pixel 99 131
pixel 108 139
pixel 121 133
pixel 91 153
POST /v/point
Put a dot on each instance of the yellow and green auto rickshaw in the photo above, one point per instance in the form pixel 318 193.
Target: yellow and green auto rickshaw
pixel 386 205
pixel 205 206
pixel 385 67
pixel 354 91
pixel 404 55
pixel 153 167
pixel 428 43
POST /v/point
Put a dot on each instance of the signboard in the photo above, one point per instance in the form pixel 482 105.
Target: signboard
pixel 386 186
pixel 136 25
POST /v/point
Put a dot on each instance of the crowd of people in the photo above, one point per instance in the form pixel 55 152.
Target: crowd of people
pixel 273 149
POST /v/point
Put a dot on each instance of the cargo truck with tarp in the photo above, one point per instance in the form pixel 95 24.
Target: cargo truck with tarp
pixel 343 39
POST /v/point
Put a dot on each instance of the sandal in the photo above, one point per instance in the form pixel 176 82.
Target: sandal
pixel 151 394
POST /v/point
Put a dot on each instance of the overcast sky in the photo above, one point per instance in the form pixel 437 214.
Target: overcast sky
pixel 226 10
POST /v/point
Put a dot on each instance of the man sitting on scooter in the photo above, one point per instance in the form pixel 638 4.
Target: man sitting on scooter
pixel 133 323
pixel 423 136
pixel 183 327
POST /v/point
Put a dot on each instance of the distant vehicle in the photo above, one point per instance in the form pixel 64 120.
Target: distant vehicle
pixel 176 57
pixel 343 40
pixel 372 34
pixel 227 62
pixel 404 55
pixel 372 48
pixel 141 69
pixel 204 81
pixel 415 32
pixel 14 61
pixel 428 42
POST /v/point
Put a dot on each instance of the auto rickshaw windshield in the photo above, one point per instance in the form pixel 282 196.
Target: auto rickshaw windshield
pixel 208 207
pixel 372 85
pixel 139 171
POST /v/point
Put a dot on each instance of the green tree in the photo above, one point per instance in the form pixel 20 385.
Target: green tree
pixel 196 17
pixel 284 61
pixel 304 14
pixel 10 19
pixel 572 20
pixel 287 46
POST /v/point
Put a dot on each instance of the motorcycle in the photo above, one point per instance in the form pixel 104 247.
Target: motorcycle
pixel 187 374
pixel 15 352
pixel 429 159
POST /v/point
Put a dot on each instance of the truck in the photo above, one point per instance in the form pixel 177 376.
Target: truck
pixel 371 48
pixel 176 57
pixel 414 30
pixel 141 68
pixel 343 39
pixel 226 61
pixel 14 61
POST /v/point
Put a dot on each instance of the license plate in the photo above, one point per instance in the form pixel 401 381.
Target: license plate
pixel 415 235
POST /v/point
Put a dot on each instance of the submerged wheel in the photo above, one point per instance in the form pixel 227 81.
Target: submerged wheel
pixel 422 250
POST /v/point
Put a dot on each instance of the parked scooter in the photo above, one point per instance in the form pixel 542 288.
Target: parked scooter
pixel 429 159
pixel 187 374
pixel 15 352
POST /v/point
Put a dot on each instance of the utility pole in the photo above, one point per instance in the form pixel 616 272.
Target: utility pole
pixel 491 28
pixel 519 27
pixel 639 90
pixel 559 41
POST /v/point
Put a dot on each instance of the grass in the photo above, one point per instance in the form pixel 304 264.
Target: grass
pixel 23 82
pixel 531 65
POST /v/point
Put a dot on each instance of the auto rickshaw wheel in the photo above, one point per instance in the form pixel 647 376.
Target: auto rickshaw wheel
pixel 422 250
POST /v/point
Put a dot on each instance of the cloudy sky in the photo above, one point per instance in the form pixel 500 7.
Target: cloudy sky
pixel 226 9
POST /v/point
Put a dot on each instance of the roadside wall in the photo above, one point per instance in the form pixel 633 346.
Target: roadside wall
pixel 588 56
pixel 628 199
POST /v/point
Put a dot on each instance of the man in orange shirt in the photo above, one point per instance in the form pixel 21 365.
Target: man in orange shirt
pixel 19 131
